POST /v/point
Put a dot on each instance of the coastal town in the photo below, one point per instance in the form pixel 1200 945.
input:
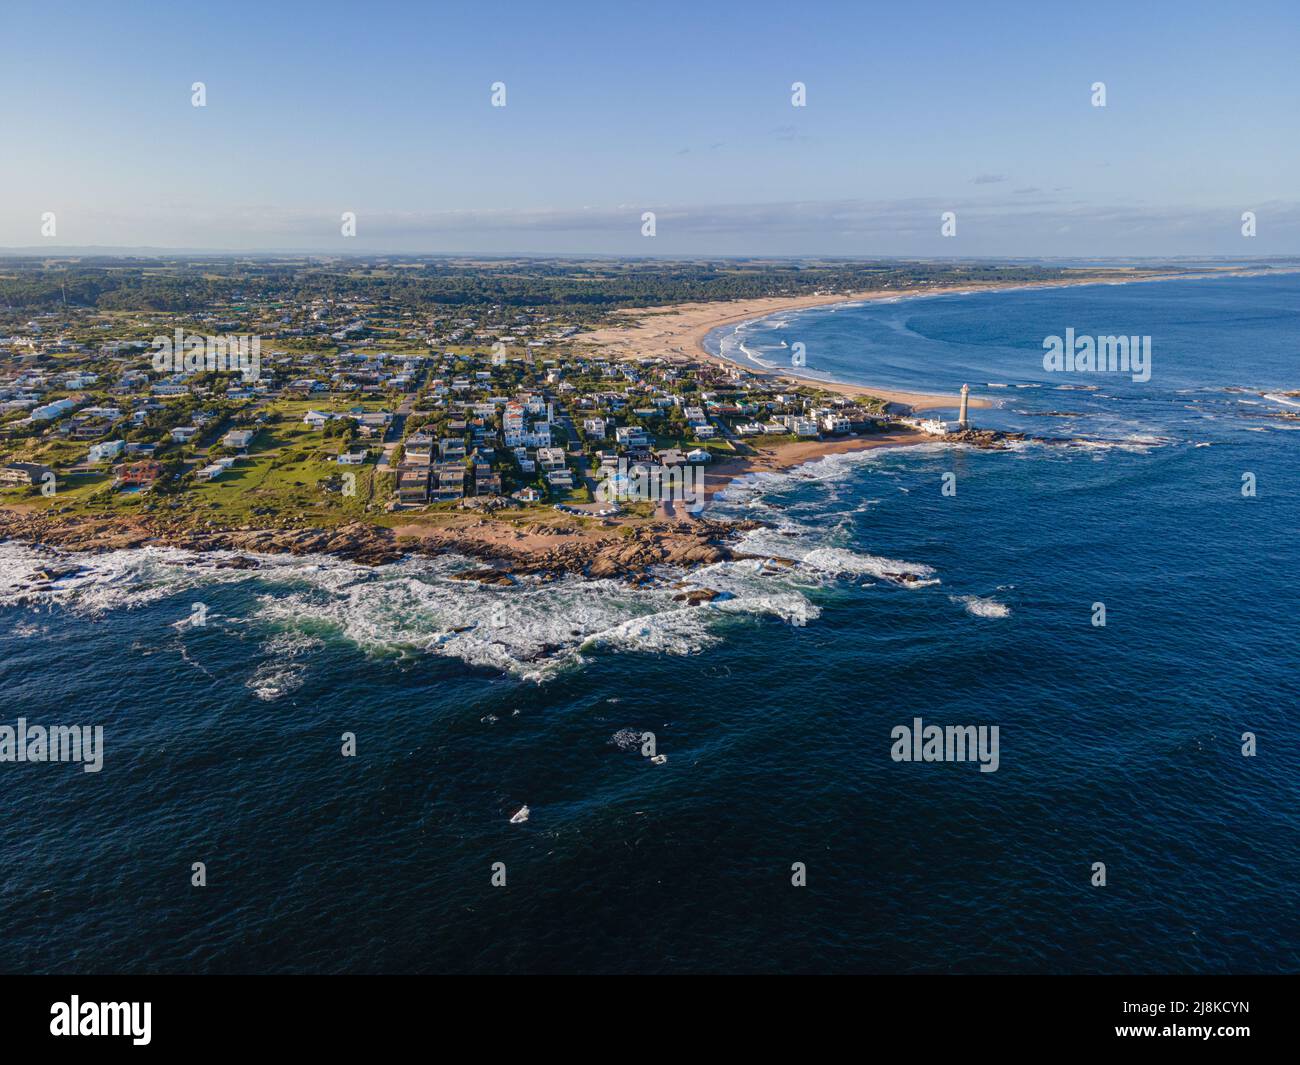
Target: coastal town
pixel 339 412
pixel 342 412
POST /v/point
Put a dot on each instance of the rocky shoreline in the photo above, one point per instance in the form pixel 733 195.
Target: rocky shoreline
pixel 629 552
pixel 629 556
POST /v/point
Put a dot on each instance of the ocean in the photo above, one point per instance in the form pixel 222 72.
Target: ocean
pixel 775 704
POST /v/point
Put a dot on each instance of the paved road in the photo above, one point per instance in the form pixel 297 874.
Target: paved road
pixel 394 435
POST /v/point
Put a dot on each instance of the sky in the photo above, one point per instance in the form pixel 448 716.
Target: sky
pixel 384 109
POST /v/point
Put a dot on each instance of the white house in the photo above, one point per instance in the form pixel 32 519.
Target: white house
pixel 109 449
pixel 631 436
pixel 52 410
pixel 551 458
pixel 419 447
pixel 214 470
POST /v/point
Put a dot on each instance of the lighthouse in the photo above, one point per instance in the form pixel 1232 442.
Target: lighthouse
pixel 962 421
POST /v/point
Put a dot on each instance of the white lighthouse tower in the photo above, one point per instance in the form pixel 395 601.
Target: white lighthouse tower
pixel 962 421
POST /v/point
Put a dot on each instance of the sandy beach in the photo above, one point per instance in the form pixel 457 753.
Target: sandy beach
pixel 775 458
pixel 677 333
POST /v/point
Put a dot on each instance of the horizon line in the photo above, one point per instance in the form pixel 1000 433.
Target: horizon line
pixel 155 251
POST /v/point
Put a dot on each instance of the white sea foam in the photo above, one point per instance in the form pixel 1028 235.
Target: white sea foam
pixel 530 629
pixel 840 562
pixel 527 629
pixel 292 644
pixel 271 680
pixel 827 469
pixel 626 739
pixel 1140 443
pixel 754 358
pixel 982 607
pixel 815 546
pixel 114 580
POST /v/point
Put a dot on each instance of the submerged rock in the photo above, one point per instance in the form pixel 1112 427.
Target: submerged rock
pixel 238 562
pixel 57 573
pixel 484 576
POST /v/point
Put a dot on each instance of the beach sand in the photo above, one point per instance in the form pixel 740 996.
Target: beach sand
pixel 677 333
pixel 774 458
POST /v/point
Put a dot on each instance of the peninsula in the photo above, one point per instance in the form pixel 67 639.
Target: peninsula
pixel 374 407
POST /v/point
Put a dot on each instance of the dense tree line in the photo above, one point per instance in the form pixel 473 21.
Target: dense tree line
pixel 578 289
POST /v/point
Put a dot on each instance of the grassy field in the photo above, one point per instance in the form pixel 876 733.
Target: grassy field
pixel 289 473
pixel 288 477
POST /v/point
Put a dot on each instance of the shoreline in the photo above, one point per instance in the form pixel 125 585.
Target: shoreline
pixel 543 545
pixel 790 455
pixel 677 332
pixel 541 548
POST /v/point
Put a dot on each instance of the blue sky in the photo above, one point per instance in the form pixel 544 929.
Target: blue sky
pixel 384 109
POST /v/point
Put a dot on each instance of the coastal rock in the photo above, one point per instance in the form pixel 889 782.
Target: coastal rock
pixel 629 554
pixel 903 578
pixel 694 554
pixel 696 596
pixel 238 562
pixel 990 439
pixel 484 576
pixel 57 573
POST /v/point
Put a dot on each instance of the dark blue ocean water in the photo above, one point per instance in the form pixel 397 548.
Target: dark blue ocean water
pixel 774 705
